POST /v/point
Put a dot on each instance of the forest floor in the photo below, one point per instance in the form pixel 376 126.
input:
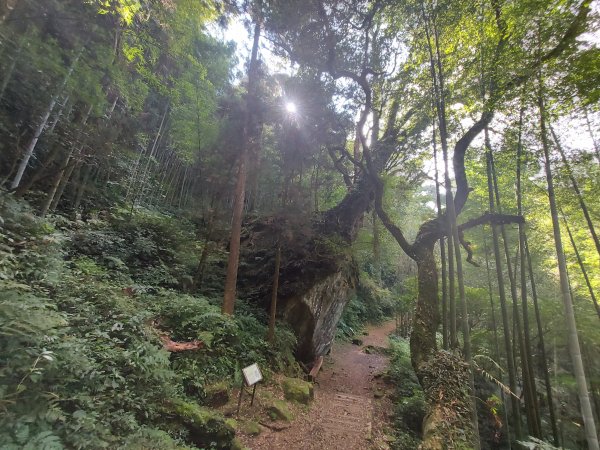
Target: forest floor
pixel 351 409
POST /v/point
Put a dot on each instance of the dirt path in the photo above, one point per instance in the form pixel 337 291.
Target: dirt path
pixel 346 414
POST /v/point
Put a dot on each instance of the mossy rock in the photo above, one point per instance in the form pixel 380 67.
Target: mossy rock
pixel 236 444
pixel 204 425
pixel 374 349
pixel 251 427
pixel 217 394
pixel 297 390
pixel 378 393
pixel 232 423
pixel 278 410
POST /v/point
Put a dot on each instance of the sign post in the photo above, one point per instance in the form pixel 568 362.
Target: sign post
pixel 252 376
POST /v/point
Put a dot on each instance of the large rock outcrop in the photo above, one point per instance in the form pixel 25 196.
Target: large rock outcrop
pixel 314 314
pixel 316 276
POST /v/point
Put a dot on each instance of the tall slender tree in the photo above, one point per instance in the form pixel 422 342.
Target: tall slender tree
pixel 240 187
pixel 574 347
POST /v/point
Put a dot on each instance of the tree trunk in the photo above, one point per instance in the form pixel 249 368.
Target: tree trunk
pixel 589 127
pixel 39 173
pixel 62 177
pixel 273 308
pixel 446 341
pixel 542 348
pixel 451 214
pixel 59 114
pixel 523 283
pixel 82 187
pixel 64 181
pixel 527 373
pixel 42 124
pixel 376 247
pixel 153 150
pixel 574 348
pixel 512 379
pixel 575 185
pixel 582 266
pixel 496 340
pixel 11 68
pixel 240 188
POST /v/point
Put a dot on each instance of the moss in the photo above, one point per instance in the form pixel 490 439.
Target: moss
pixel 217 394
pixel 205 427
pixel 251 427
pixel 232 423
pixel 297 390
pixel 445 379
pixel 279 410
pixel 237 445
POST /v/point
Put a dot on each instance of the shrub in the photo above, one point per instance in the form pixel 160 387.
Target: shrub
pixel 81 363
pixel 409 400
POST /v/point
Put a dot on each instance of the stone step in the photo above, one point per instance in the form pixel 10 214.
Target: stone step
pixel 351 415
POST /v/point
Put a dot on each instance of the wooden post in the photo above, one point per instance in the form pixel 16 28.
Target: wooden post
pixel 240 399
pixel 315 368
pixel 253 393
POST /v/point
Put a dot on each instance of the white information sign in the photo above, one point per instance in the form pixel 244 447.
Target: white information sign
pixel 252 374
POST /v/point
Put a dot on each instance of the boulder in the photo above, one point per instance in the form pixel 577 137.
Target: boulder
pixel 217 394
pixel 314 315
pixel 378 393
pixel 297 390
pixel 206 427
pixel 251 427
pixel 237 445
pixel 278 410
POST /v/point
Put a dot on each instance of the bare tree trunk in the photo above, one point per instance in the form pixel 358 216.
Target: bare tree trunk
pixel 273 308
pixel 527 374
pixel 65 180
pixel 62 177
pixel 523 283
pixel 542 348
pixel 512 379
pixel 496 340
pixel 240 188
pixel 82 187
pixel 574 347
pixel 59 114
pixel 376 246
pixel 153 150
pixel 42 124
pixel 446 341
pixel 451 215
pixel 39 173
pixel 132 185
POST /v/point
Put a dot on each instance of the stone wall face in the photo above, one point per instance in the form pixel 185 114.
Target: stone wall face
pixel 314 315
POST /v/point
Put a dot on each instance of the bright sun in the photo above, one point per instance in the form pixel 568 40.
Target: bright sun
pixel 291 107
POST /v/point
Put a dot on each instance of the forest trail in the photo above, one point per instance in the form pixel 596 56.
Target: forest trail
pixel 346 413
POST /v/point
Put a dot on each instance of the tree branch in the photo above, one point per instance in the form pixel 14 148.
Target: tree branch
pixel 491 219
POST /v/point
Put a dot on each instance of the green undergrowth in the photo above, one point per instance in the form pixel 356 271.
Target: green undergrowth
pixel 371 303
pixel 82 308
pixel 409 400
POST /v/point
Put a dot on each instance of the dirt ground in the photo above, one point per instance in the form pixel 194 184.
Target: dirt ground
pixel 351 410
